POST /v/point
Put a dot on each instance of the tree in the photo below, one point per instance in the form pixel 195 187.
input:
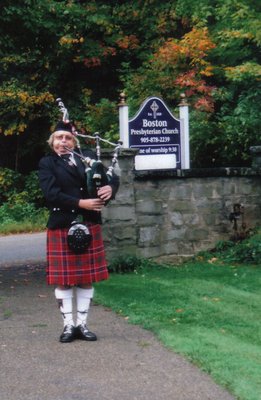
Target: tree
pixel 88 52
pixel 216 63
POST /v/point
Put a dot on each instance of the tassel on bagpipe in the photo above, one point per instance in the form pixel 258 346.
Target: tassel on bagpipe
pixel 96 173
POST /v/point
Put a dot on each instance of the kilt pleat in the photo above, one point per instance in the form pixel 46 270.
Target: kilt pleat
pixel 67 268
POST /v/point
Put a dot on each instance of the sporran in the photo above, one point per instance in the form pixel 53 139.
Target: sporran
pixel 78 238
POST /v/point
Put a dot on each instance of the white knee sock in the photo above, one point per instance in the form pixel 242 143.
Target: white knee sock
pixel 83 297
pixel 64 298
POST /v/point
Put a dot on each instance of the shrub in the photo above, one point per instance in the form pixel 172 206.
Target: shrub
pixel 10 183
pixel 16 212
pixel 125 263
pixel 22 217
pixel 245 251
pixel 34 191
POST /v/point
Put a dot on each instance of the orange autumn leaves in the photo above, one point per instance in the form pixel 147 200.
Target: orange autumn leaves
pixel 184 64
pixel 127 42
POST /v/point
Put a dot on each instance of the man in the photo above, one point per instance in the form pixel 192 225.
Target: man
pixel 63 181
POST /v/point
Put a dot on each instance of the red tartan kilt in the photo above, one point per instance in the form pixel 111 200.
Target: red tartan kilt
pixel 67 268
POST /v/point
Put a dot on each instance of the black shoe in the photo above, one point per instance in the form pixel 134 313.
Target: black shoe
pixel 68 334
pixel 82 332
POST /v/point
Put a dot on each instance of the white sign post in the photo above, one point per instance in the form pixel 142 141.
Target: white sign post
pixel 184 126
pixel 124 121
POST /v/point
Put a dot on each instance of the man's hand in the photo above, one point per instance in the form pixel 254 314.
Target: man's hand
pixel 105 192
pixel 92 204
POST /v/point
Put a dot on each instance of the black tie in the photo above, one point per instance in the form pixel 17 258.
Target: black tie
pixel 66 158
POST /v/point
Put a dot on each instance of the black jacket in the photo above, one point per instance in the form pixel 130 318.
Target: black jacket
pixel 63 186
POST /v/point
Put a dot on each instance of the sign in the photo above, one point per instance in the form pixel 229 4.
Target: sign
pixel 156 133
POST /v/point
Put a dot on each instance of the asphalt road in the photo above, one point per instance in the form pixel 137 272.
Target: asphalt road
pixel 126 363
pixel 22 248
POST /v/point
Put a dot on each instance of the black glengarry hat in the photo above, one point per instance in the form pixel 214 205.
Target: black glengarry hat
pixel 64 126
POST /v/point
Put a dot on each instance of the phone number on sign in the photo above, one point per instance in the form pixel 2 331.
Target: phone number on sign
pixel 162 139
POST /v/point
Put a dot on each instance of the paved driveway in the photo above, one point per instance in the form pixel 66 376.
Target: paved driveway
pixel 22 248
pixel 126 363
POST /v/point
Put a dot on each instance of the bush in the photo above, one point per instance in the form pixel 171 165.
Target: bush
pixel 22 217
pixel 125 263
pixel 21 202
pixel 10 182
pixel 16 212
pixel 33 189
pixel 246 251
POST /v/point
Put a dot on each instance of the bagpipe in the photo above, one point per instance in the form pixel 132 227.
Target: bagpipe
pixel 97 174
pixel 79 237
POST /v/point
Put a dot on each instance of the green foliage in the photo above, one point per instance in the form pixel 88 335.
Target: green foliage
pixel 220 137
pixel 18 211
pixel 22 217
pixel 246 251
pixel 126 263
pixel 250 253
pixel 88 52
pixel 102 117
pixel 10 183
pixel 18 106
pixel 21 202
pixel 17 188
pixel 34 192
pixel 21 206
pixel 241 125
pixel 224 245
pixel 18 207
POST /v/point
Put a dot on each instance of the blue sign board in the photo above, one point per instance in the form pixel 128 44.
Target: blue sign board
pixel 155 131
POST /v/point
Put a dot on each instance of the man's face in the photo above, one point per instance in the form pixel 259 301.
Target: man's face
pixel 61 140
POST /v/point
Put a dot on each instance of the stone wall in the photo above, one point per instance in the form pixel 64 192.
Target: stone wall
pixel 174 214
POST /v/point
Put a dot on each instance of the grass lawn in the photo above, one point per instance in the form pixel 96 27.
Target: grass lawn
pixel 207 311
